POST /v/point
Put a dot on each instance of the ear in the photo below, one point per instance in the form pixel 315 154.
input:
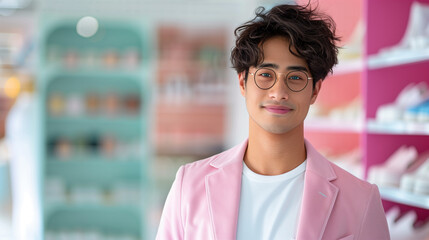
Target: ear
pixel 316 91
pixel 242 82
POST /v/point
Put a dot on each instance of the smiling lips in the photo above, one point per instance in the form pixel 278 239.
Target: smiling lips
pixel 277 109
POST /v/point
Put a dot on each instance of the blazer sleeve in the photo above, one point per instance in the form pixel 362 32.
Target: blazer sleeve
pixel 374 225
pixel 171 225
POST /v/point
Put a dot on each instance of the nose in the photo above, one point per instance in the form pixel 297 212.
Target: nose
pixel 279 91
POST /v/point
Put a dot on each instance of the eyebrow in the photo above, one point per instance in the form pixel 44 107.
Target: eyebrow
pixel 275 66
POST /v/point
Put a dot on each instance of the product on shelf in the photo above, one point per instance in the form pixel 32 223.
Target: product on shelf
pixel 412 95
pixel 349 112
pixel 71 59
pixel 111 104
pixel 417 180
pixel 108 146
pixel 351 162
pixel 75 105
pixel 92 103
pixel 56 104
pixel 85 235
pixel 89 58
pixel 418 113
pixel 131 58
pixel 132 104
pixel 63 148
pixel 110 59
pixel 389 173
pixel 402 226
pixel 416 37
pixel 353 48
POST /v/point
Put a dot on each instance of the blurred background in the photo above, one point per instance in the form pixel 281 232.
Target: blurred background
pixel 102 101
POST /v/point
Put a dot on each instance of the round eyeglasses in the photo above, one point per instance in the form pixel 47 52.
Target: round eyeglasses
pixel 265 78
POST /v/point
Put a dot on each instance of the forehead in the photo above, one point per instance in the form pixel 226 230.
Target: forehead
pixel 276 50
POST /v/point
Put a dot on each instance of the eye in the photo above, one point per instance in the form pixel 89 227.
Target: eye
pixel 265 74
pixel 295 77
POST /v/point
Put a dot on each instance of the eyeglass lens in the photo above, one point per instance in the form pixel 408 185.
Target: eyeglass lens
pixel 295 80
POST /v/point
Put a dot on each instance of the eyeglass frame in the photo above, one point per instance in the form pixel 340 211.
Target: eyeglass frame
pixel 275 81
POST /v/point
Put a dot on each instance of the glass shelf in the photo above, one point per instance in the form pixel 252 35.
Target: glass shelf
pixel 399 127
pixel 396 195
pixel 96 119
pixel 348 66
pixel 333 125
pixel 404 57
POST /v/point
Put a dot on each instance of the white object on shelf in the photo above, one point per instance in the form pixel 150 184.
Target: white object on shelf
pixel 405 57
pixel 348 66
pixel 396 195
pixel 398 127
pixel 403 228
pixel 414 45
pixel 333 125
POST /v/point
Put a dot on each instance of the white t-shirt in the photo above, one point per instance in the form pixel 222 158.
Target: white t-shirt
pixel 270 205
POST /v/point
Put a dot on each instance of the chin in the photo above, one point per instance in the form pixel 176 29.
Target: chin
pixel 277 129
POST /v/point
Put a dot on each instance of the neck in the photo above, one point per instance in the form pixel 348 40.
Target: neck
pixel 273 154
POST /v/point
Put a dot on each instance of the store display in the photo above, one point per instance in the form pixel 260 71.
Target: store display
pixel 94 125
pixel 71 59
pixel 56 104
pixel 389 173
pixel 92 103
pixel 417 179
pixel 414 44
pixel 86 235
pixel 408 106
pixel 111 58
pixel 353 49
pixel 402 226
pixel 111 104
pixel 75 105
pixel 108 104
pixel 416 37
pixel 418 113
pixel 351 162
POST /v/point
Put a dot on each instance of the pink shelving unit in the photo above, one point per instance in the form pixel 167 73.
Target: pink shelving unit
pixel 386 22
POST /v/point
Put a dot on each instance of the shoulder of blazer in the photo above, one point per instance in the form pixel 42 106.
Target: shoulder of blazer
pixel 232 155
pixel 204 167
pixel 351 182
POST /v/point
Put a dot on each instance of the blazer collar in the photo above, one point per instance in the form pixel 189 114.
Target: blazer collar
pixel 224 188
pixel 319 196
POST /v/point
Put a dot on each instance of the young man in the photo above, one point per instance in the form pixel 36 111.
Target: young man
pixel 275 185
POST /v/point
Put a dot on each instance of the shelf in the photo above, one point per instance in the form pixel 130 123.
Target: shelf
pixel 348 66
pixel 121 218
pixel 99 71
pixel 123 127
pixel 333 125
pixel 396 195
pixel 101 172
pixel 400 58
pixel 96 120
pixel 399 128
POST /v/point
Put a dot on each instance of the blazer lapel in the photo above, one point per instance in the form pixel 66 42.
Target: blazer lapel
pixel 223 189
pixel 318 198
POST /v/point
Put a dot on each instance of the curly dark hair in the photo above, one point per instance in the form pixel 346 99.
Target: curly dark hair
pixel 311 33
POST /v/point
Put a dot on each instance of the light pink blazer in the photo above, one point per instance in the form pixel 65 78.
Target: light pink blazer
pixel 204 199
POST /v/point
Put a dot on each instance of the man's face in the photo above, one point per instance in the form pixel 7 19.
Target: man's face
pixel 278 110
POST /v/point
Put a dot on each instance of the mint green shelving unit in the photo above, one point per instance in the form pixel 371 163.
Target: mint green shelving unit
pixel 92 184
